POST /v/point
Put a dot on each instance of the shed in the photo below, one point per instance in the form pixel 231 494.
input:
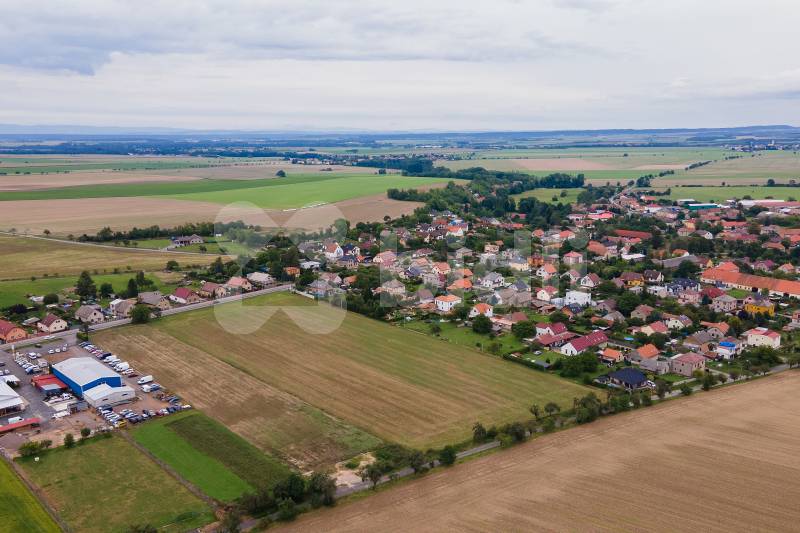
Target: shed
pixel 82 373
pixel 10 401
pixel 105 395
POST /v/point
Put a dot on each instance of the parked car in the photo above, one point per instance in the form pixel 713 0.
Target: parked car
pixel 144 380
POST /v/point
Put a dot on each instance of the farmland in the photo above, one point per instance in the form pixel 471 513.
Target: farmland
pixel 106 485
pixel 547 195
pixel 740 441
pixel 413 390
pixel 19 509
pixel 720 194
pixel 24 257
pixel 207 454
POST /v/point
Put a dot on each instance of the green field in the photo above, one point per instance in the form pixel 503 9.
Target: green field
pixel 107 485
pixel 396 384
pixel 19 509
pixel 217 461
pixel 720 194
pixel 10 167
pixel 546 195
pixel 278 193
pixel 464 336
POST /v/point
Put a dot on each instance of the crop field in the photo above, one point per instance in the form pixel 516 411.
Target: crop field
pixel 23 257
pixel 210 456
pixel 107 485
pixel 720 194
pixel 547 195
pixel 281 375
pixel 19 509
pixel 721 461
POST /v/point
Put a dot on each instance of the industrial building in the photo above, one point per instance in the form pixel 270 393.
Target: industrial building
pixel 105 395
pixel 10 401
pixel 83 373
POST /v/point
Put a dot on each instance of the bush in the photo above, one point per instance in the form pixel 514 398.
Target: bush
pixel 686 389
pixel 85 432
pixel 69 440
pixel 50 299
pixel 287 510
pixel 447 456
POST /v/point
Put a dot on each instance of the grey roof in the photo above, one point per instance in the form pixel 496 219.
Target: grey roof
pixel 83 370
pixel 150 298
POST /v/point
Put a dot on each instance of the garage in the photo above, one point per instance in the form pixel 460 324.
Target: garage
pixel 105 395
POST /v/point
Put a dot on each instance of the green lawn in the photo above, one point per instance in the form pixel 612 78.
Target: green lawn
pixel 107 485
pixel 207 472
pixel 17 291
pixel 464 336
pixel 19 509
pixel 546 195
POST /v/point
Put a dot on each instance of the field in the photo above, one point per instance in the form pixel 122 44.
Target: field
pixel 218 462
pixel 720 461
pixel 720 194
pixel 300 384
pixel 546 195
pixel 19 509
pixel 107 485
pixel 23 257
pixel 464 336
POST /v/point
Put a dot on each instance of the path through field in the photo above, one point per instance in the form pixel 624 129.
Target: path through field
pixel 726 460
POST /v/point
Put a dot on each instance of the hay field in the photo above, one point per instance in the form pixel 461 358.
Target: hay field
pixel 781 166
pixel 727 460
pixel 35 182
pixel 398 385
pixel 720 194
pixel 24 257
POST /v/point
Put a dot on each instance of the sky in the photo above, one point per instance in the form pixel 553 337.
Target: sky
pixel 408 65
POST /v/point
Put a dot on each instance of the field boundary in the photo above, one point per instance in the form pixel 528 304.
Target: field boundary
pixel 34 489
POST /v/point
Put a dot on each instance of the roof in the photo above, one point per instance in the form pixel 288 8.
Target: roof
pixel 183 292
pixel 629 376
pixel 690 358
pixel 6 326
pixel 763 331
pixel 49 320
pixel 592 339
pixel 610 353
pixel 749 280
pixel 8 396
pixel 633 234
pixel 448 298
pixel 83 370
pixel 482 308
pixel 150 298
pixel 647 351
pixel 86 311
pixel 100 391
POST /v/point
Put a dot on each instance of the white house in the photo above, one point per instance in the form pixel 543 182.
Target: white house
pixel 580 298
pixel 763 337
pixel 546 294
pixel 481 309
pixel 52 324
pixel 446 303
pixel 333 251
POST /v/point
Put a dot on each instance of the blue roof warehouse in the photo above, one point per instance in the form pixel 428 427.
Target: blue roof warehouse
pixel 83 373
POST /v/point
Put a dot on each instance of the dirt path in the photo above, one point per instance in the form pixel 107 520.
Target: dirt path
pixel 719 461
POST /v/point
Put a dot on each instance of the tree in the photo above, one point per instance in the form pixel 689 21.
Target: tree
pixel 447 455
pixel 293 487
pixel 535 411
pixel 708 381
pixel 50 299
pixel 133 289
pixel 627 303
pixel 372 473
pixel 287 510
pixel 524 329
pixel 281 173
pixel 478 432
pixel 172 265
pixel 551 408
pixel 85 432
pixel 143 528
pixel 416 461
pixel 231 522
pixel 321 489
pixel 663 388
pixel 436 328
pixel 481 324
pixel 69 440
pixel 85 288
pixel 140 314
pixel 686 389
pixel 106 290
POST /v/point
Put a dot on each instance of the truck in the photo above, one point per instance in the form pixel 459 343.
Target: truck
pixel 151 387
pixel 144 380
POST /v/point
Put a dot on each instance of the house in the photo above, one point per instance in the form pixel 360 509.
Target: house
pixel 292 271
pixel 573 258
pixel 724 304
pixel 642 312
pixel 676 321
pixel 492 280
pixel 572 275
pixel 728 348
pixel 319 288
pixel 10 332
pixel 432 279
pixel 590 281
pixel 441 268
pixel 763 337
pixel 614 316
pixel 89 314
pixel 505 322
pixel 238 284
pixel 700 341
pixel 209 289
pixel 52 324
pixel 632 279
pixel 653 327
pixel 481 309
pixel 653 276
pixel 185 295
pixel 386 258
pixel 154 299
pixel 333 251
pixel 546 294
pixel 462 252
pixel 580 344
pixel 690 297
pixel 462 284
pixel 545 328
pixel 179 242
pixel 642 353
pixel 447 302
pixel 580 298
pixel 394 288
pixel 424 296
pixel 610 356
pixel 628 379
pixel 121 308
pixel 687 364
pixel 717 330
pixel 260 278
pixel 736 280
pixel 757 303
pixel 546 271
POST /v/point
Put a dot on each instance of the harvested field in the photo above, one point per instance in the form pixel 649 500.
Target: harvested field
pixel 398 385
pixel 50 181
pixel 566 163
pixel 24 257
pixel 727 460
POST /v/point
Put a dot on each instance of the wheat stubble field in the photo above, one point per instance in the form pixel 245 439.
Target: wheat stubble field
pixel 727 460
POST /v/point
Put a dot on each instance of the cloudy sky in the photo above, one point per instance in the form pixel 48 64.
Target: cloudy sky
pixel 400 65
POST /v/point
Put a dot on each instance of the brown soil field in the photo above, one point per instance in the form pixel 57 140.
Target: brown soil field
pixel 660 167
pixel 727 460
pixel 261 170
pixel 89 215
pixel 24 257
pixel 53 181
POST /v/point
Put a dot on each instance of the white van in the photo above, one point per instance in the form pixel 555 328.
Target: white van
pixel 122 366
pixel 144 379
pixel 15 419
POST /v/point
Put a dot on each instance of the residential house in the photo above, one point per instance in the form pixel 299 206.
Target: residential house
pixel 152 299
pixel 653 276
pixel 394 288
pixel 729 347
pixel 179 242
pixel 580 344
pixel 432 279
pixel 492 280
pixel 546 271
pixel 52 324
pixel 547 293
pixel 447 302
pixel 717 330
pixel 583 299
pixel 642 312
pixel 628 378
pixel 763 337
pixel 424 296
pixel 333 251
pixel 260 278
pixel 121 308
pixel 462 284
pixel 699 341
pixel 573 258
pixel 546 328
pixel 610 356
pixel 319 288
pixel 724 304
pixel 642 353
pixel 89 314
pixel 686 364
pixel 238 284
pixel 10 332
pixel 756 303
pixel 481 309
pixel 185 295
pixel 632 279
pixel 590 281
pixel 690 297
pixel 209 289
pixel 676 321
